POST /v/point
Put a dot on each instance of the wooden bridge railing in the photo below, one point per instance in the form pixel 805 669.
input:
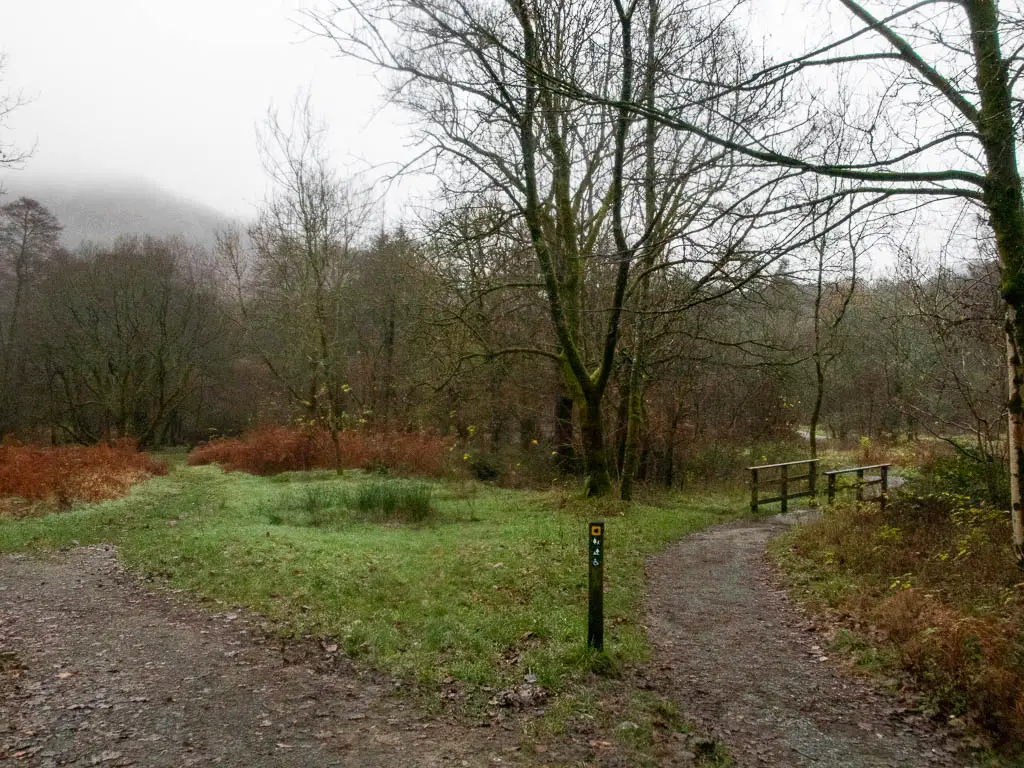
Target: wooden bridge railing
pixel 784 479
pixel 861 482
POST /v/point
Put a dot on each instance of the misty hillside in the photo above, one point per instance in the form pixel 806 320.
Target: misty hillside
pixel 99 212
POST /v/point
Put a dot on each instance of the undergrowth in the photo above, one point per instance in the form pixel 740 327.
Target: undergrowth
pixel 272 450
pixel 929 587
pixel 33 479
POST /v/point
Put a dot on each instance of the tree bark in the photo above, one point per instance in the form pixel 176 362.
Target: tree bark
pixel 1015 434
pixel 565 455
pixel 1002 196
pixel 595 452
pixel 819 396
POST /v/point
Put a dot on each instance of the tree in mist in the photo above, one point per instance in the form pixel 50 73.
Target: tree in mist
pixel 299 256
pixel 29 240
pixel 124 339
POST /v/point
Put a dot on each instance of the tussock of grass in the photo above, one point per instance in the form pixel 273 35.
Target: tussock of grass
pixel 492 589
pixel 931 585
pixel 407 501
pixel 379 500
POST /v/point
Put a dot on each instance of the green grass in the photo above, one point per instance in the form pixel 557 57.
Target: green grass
pixel 379 500
pixel 487 587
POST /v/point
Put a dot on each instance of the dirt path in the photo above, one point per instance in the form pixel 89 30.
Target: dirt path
pixel 97 671
pixel 747 667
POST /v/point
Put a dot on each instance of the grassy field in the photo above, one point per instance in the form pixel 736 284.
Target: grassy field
pixel 488 587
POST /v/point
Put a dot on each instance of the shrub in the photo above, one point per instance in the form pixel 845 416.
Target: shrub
pixel 272 450
pixel 484 467
pixel 933 578
pixel 721 462
pixel 66 474
pixel 980 479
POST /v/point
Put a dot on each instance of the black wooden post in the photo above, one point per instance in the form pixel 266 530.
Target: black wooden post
pixel 860 485
pixel 884 499
pixel 812 481
pixel 595 613
pixel 831 488
pixel 785 487
pixel 753 490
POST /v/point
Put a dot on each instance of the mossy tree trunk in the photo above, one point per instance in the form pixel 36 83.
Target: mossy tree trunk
pixel 1003 199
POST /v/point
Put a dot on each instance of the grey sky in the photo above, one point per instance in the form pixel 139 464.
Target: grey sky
pixel 172 91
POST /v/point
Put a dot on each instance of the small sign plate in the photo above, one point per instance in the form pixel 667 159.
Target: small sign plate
pixel 596 544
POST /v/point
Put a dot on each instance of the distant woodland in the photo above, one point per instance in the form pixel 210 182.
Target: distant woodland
pixel 446 330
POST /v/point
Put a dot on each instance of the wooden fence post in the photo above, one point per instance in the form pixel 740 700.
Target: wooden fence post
pixel 884 499
pixel 860 485
pixel 831 489
pixel 785 487
pixel 812 482
pixel 753 490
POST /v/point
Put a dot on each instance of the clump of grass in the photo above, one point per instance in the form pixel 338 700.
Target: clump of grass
pixel 377 500
pixel 932 583
pixel 311 506
pixel 382 499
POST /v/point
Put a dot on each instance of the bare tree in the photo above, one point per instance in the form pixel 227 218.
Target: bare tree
pixel 835 264
pixel 289 285
pixel 124 337
pixel 478 77
pixel 957 386
pixel 943 119
pixel 10 101
pixel 29 238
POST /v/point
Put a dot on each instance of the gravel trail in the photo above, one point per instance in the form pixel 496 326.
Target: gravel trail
pixel 98 671
pixel 751 670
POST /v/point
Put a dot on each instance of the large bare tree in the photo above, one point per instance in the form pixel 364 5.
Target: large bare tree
pixel 601 196
pixel 29 238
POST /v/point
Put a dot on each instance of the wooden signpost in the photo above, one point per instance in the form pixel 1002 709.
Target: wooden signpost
pixel 595 614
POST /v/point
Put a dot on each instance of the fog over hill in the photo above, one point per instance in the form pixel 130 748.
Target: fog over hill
pixel 100 210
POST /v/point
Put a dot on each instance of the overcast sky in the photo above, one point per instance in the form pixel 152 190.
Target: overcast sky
pixel 171 92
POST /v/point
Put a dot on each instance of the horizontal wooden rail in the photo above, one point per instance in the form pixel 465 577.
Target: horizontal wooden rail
pixel 861 482
pixel 783 480
pixel 783 464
